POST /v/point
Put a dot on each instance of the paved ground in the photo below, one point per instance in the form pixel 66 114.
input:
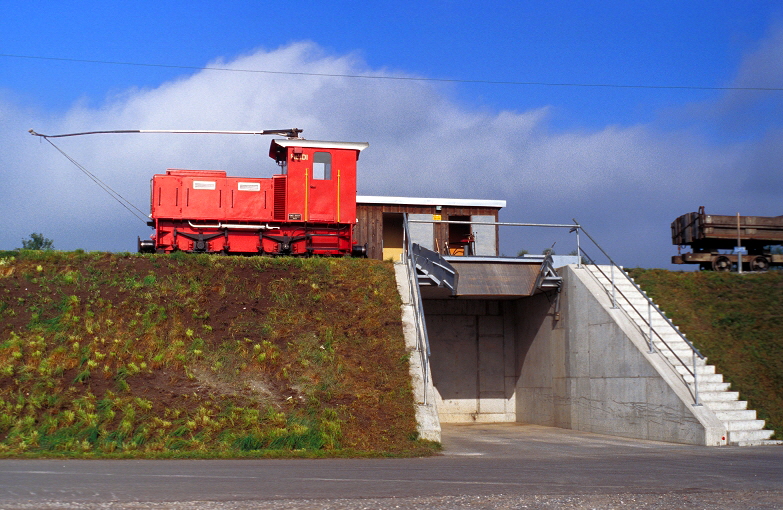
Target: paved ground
pixel 483 466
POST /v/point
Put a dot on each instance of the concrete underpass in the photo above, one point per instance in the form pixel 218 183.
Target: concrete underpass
pixel 577 364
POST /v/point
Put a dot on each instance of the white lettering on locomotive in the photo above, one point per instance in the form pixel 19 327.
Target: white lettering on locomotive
pixel 249 186
pixel 204 185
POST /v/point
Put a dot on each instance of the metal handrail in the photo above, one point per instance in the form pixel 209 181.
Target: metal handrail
pixel 652 330
pixel 497 223
pixel 693 347
pixel 422 340
pixel 575 227
pixel 651 305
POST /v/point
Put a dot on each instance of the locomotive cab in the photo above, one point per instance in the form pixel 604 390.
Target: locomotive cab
pixel 309 208
pixel 320 180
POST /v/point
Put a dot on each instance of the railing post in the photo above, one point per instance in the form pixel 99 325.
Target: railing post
pixel 578 251
pixel 649 321
pixel 695 382
pixel 614 293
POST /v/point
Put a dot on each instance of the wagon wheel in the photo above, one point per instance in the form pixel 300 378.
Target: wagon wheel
pixel 721 263
pixel 759 263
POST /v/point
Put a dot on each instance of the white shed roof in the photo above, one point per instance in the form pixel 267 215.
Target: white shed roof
pixel 451 202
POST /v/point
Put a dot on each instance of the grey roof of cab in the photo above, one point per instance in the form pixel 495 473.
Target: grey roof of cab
pixel 321 144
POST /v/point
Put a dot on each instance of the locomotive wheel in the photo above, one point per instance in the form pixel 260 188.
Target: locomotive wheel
pixel 721 263
pixel 759 263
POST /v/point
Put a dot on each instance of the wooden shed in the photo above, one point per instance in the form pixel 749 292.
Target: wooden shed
pixel 379 225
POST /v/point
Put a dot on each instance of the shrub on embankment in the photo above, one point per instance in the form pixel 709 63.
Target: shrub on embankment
pixel 737 322
pixel 195 355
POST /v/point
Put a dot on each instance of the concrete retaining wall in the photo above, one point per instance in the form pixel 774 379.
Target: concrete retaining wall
pixel 428 424
pixel 591 371
pixel 498 361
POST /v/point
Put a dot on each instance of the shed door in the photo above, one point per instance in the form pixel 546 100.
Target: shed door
pixel 392 236
pixel 485 236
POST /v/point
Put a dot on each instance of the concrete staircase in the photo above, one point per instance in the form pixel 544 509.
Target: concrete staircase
pixel 742 427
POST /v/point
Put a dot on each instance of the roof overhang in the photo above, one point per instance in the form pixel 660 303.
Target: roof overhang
pixel 448 202
pixel 320 144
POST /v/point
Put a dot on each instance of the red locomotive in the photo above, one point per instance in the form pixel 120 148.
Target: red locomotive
pixel 309 208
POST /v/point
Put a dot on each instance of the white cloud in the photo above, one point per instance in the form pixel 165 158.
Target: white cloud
pixel 626 184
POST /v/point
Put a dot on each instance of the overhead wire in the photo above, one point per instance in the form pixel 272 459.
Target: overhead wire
pixel 140 215
pixel 115 195
pixel 401 78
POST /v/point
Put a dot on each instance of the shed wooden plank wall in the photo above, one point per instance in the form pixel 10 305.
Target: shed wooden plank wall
pixel 369 228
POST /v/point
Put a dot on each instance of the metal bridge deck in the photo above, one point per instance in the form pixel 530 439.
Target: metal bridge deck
pixel 490 277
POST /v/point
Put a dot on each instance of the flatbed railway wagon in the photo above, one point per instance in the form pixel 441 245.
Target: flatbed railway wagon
pixel 714 240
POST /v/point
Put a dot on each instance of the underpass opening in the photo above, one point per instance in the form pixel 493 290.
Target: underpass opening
pixel 481 362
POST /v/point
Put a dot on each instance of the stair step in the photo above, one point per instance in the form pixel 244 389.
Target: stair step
pixel 638 302
pixel 711 386
pixel 671 350
pixel 660 328
pixel 717 396
pixel 687 360
pixel 669 332
pixel 744 414
pixel 661 331
pixel 728 405
pixel 628 294
pixel 736 436
pixel 681 353
pixel 658 324
pixel 674 344
pixel 700 369
pixel 744 425
pixel 670 337
pixel 631 295
pixel 703 378
pixel 671 343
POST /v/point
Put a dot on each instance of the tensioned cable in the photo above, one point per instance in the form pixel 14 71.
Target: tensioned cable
pixel 401 78
pixel 116 196
pixel 289 133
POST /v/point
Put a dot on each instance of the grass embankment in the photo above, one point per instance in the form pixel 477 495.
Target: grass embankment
pixel 737 322
pixel 201 356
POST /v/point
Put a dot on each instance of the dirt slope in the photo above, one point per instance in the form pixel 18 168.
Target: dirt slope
pixel 201 356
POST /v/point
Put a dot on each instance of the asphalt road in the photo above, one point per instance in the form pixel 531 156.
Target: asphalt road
pixel 482 466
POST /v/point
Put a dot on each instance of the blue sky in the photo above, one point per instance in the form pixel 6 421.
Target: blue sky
pixel 624 159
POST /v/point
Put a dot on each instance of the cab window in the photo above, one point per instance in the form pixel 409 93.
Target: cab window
pixel 322 165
